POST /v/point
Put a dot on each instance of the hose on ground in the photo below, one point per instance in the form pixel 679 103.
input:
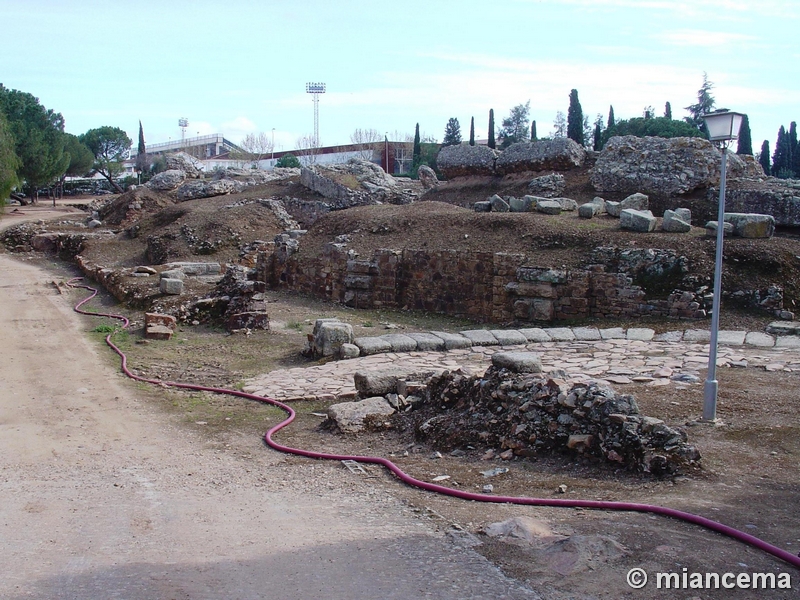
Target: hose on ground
pixel 432 487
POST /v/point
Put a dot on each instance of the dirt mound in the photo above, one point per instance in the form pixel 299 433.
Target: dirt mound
pixel 133 205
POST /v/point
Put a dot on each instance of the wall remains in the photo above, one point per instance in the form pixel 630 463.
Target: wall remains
pixel 491 287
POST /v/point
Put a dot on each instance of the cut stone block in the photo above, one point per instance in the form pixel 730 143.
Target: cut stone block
pixel 536 335
pixel 427 341
pixel 760 340
pixel 549 207
pixel 561 334
pixel 508 337
pixel 173 287
pixel 637 220
pixel 453 341
pixel 158 332
pixel 400 342
pixel 372 345
pixel 731 338
pixel 697 335
pixel 480 337
pixel 640 333
pixel 518 362
pixel 612 333
pixel 160 319
pixel 350 417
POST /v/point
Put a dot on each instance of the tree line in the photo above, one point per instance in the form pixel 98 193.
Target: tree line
pixel 36 152
pixel 517 127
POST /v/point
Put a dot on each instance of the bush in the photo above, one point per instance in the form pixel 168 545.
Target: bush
pixel 657 127
pixel 288 161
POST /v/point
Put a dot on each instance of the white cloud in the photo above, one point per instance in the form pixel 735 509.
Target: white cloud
pixel 703 38
pixel 238 128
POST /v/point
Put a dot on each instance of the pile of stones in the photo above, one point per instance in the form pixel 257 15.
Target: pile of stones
pixel 548 206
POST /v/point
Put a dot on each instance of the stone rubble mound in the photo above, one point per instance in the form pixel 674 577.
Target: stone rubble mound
pixel 463 160
pixel 528 415
pixel 355 183
pixel 559 154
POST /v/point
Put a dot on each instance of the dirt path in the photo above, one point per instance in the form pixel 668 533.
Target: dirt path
pixel 102 495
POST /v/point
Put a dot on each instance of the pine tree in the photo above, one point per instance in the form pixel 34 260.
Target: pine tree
pixel 491 142
pixel 611 121
pixel 763 157
pixel 472 131
pixel 745 145
pixel 575 118
pixel 668 111
pixel 533 131
pixel 452 133
pixel 780 158
pixel 705 104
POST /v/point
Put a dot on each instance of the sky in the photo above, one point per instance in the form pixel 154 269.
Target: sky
pixel 237 67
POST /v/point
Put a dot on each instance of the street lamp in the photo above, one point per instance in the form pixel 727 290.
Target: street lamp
pixel 723 127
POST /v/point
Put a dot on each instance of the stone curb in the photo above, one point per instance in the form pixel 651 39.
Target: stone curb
pixel 509 337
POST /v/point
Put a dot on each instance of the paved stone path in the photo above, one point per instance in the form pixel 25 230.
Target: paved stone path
pixel 675 358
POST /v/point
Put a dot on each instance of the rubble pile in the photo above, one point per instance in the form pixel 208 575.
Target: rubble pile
pixel 526 414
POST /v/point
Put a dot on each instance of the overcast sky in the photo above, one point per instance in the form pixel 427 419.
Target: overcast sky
pixel 236 67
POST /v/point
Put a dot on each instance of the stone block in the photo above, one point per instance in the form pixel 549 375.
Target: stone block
pixel 482 206
pixel 372 345
pixel 587 211
pixel 536 335
pixel 330 336
pixel 453 341
pixel 613 208
pixel 589 334
pixel 636 202
pixel 173 287
pixel 160 319
pixel 684 214
pixel 711 229
pixel 697 335
pixel 640 333
pixel 480 337
pixel 561 334
pixel 382 381
pixel 349 351
pixel 427 342
pixel 674 224
pixel 173 274
pixel 498 204
pixel 669 336
pixel 567 204
pixel 637 220
pixel 612 333
pixel 508 337
pixel 751 225
pixel 158 332
pixel 784 328
pixel 549 207
pixel 787 341
pixel 760 340
pixel 351 417
pixel 731 338
pixel 400 342
pixel 518 362
pixel 542 310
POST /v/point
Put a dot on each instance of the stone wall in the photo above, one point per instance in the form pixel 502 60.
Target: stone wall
pixel 496 287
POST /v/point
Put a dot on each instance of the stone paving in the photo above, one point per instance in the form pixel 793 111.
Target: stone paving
pixel 618 357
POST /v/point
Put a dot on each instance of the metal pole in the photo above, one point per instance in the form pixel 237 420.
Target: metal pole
pixel 710 389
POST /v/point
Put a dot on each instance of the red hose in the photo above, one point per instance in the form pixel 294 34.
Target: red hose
pixel 432 487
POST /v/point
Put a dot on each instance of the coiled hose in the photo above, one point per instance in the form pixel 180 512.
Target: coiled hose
pixel 432 487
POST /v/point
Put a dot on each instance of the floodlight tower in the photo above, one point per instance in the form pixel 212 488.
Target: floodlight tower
pixel 183 123
pixel 315 89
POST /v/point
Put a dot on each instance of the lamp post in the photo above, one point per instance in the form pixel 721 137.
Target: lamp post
pixel 723 127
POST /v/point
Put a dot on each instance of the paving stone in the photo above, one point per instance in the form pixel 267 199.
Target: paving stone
pixel 480 337
pixel 731 338
pixel 612 333
pixel 400 342
pixel 560 334
pixel 784 328
pixel 372 345
pixel 696 335
pixel 509 337
pixel 668 336
pixel 760 340
pixel 787 341
pixel 427 341
pixel 590 334
pixel 536 334
pixel 641 334
pixel 453 341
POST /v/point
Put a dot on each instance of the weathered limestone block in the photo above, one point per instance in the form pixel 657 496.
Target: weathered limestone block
pixel 636 202
pixel 674 224
pixel 549 207
pixel 427 177
pixel 567 204
pixel 587 211
pixel 330 336
pixel 158 332
pixel 559 154
pixel 637 220
pixel 166 181
pixel 453 341
pixel 372 345
pixel 748 225
pixel 352 417
pixel 463 160
pixel 613 208
pixel 427 341
pixel 482 206
pixel 498 204
pixel 173 287
pixel 508 337
pixel 518 362
pixel 480 337
pixel 548 186
pixel 400 342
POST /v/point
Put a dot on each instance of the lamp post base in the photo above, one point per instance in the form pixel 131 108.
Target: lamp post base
pixel 710 401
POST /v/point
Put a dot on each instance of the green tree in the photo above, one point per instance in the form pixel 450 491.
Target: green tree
pixel 38 135
pixel 597 138
pixel 452 133
pixel 491 143
pixel 142 160
pixel 781 158
pixel 416 153
pixel 611 121
pixel 288 161
pixel 9 163
pixel 745 145
pixel 667 111
pixel 560 125
pixel 515 126
pixel 533 131
pixel 110 146
pixel 472 131
pixel 575 118
pixel 705 104
pixel 763 157
pixel 793 148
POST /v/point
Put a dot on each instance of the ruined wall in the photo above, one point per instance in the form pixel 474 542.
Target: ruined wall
pixel 496 287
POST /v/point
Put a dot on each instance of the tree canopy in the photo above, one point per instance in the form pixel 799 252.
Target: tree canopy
pixel 515 126
pixel 110 146
pixel 9 163
pixel 452 133
pixel 81 158
pixel 38 135
pixel 745 145
pixel 705 104
pixel 575 118
pixel 288 161
pixel 655 127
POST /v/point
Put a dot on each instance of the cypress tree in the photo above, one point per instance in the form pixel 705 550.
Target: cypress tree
pixel 780 158
pixel 575 118
pixel 745 141
pixel 668 111
pixel 611 121
pixel 792 148
pixel 763 157
pixel 472 131
pixel 491 143
pixel 416 153
pixel 533 131
pixel 598 137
